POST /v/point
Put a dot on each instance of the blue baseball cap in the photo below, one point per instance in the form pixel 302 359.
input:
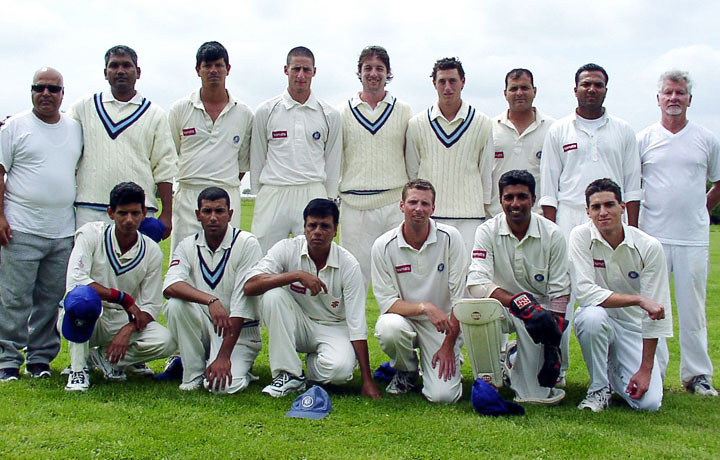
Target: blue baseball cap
pixel 82 309
pixel 487 401
pixel 153 228
pixel 314 404
pixel 385 372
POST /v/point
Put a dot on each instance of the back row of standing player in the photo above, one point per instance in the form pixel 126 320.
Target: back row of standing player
pixel 297 147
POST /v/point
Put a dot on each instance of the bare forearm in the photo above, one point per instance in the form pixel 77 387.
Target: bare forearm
pixel 618 300
pixel 260 284
pixel 549 212
pixel 363 357
pixel 648 354
pixel 184 291
pixel 164 191
pixel 633 211
pixel 713 196
pixel 404 308
pixel 230 338
pixel 503 296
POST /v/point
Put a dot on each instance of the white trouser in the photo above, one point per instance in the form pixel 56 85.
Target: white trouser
pixel 192 328
pixel 330 355
pixel 154 342
pixel 528 362
pixel 613 355
pixel 279 211
pixel 466 227
pixel 360 229
pixel 689 267
pixel 184 221
pixel 400 336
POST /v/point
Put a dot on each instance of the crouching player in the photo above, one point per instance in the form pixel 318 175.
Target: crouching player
pixel 620 279
pixel 518 257
pixel 207 312
pixel 124 267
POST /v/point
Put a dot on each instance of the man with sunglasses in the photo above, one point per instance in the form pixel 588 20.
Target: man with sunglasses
pixel 39 150
pixel 127 138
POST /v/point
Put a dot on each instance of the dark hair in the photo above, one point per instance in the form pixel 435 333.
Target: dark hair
pixel 590 68
pixel 126 193
pixel 446 64
pixel 602 185
pixel 322 207
pixel 517 177
pixel 517 73
pixel 418 184
pixel 378 52
pixel 213 194
pixel 121 50
pixel 301 51
pixel 211 51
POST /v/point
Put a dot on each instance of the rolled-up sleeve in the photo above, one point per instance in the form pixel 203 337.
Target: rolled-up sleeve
pixel 482 265
pixel 384 283
pixel 582 270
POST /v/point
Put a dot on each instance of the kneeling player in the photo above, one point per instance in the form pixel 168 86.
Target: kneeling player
pixel 322 311
pixel 418 273
pixel 207 312
pixel 620 279
pixel 124 267
pixel 520 256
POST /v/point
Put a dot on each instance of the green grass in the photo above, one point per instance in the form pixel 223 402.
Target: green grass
pixel 144 419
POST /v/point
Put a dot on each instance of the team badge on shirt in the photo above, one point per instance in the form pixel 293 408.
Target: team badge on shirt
pixel 539 277
pixel 568 147
pixel 633 274
pixel 441 267
pixel 189 131
pixel 479 254
pixel 539 154
pixel 403 268
pixel 599 263
pixel 316 135
pixel 335 304
pixel 279 134
pixel 499 154
pixel 236 139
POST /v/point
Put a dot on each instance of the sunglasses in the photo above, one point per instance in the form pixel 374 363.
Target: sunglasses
pixel 41 88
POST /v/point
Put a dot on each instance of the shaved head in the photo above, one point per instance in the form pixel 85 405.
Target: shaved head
pixel 47 72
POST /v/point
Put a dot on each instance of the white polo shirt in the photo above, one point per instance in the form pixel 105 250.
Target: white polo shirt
pixel 221 273
pixel 296 144
pixel 96 258
pixel 536 264
pixel 435 273
pixel 636 266
pixel 40 160
pixel 573 157
pixel 345 299
pixel 674 170
pixel 211 153
pixel 517 151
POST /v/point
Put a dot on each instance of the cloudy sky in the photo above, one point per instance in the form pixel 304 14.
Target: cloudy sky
pixel 634 40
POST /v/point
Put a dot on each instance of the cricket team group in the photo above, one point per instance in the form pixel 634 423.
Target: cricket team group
pixel 437 208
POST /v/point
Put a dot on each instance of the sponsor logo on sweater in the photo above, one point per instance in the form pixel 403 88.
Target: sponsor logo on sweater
pixel 568 147
pixel 279 134
pixel 403 268
pixel 189 131
pixel 599 263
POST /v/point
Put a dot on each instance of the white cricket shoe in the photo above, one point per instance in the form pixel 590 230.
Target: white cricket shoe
pixel 283 384
pixel 402 382
pixel 701 386
pixel 140 369
pixel 97 359
pixel 596 401
pixel 78 381
pixel 193 384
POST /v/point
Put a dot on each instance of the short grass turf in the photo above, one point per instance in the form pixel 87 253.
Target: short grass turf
pixel 146 419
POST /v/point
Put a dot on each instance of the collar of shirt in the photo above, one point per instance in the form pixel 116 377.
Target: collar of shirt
pixel 116 246
pixel 290 103
pixel 333 259
pixel 627 241
pixel 461 115
pixel 577 118
pixel 198 103
pixel 224 244
pixel 356 101
pixel 533 230
pixel 107 96
pixel 539 120
pixel 431 238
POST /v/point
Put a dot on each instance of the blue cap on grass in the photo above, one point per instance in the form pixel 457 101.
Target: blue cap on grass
pixel 487 401
pixel 82 309
pixel 313 404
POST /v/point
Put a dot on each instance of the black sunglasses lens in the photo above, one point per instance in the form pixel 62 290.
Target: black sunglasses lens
pixel 51 88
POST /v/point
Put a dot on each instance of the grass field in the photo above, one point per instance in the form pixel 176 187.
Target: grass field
pixel 145 419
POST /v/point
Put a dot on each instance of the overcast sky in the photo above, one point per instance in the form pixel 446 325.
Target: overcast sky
pixel 634 40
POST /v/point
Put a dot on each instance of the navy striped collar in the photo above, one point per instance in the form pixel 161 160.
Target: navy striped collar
pixel 373 127
pixel 213 276
pixel 118 267
pixel 448 140
pixel 115 129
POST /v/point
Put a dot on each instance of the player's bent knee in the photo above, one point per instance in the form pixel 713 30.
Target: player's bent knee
pixel 591 321
pixel 444 394
pixel 275 301
pixel 389 327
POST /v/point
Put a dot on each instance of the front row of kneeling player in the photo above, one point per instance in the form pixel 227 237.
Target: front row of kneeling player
pixel 310 294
